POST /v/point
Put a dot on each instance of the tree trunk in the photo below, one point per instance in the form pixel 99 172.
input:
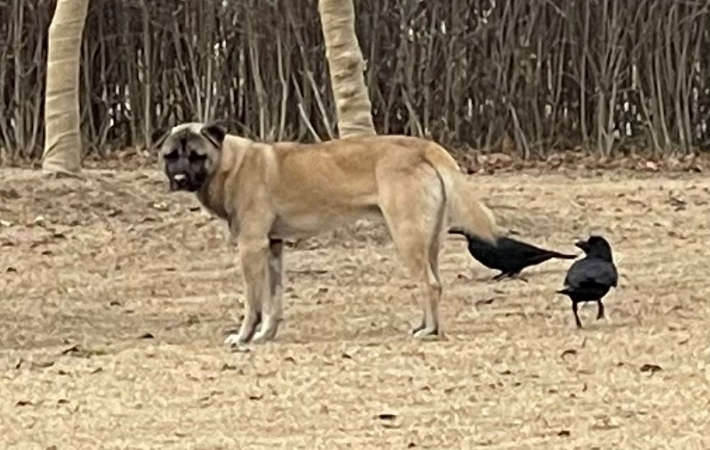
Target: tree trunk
pixel 346 66
pixel 63 144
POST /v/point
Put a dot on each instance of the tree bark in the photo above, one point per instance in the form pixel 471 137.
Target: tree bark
pixel 63 144
pixel 346 65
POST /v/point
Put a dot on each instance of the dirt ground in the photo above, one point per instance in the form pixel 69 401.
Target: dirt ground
pixel 116 296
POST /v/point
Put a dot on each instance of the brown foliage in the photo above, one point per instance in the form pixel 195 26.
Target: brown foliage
pixel 527 76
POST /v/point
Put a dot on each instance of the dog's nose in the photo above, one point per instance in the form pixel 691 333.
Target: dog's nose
pixel 179 181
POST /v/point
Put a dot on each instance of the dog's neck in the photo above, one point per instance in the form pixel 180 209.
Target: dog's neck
pixel 232 155
pixel 233 150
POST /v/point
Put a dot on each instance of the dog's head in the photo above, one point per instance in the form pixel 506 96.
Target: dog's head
pixel 189 154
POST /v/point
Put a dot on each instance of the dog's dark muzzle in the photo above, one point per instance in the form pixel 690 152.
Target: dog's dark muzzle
pixel 181 182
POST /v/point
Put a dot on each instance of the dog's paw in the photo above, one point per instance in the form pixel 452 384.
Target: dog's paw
pixel 236 343
pixel 261 336
pixel 267 332
pixel 426 334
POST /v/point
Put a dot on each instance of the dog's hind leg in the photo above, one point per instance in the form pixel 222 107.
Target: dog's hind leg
pixel 412 203
pixel 272 311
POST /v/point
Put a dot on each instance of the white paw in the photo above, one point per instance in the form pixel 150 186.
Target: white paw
pixel 267 332
pixel 426 334
pixel 260 337
pixel 234 341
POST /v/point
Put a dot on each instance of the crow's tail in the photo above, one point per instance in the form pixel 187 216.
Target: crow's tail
pixel 561 255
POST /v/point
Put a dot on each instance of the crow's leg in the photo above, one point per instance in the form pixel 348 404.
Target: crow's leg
pixel 600 310
pixel 576 315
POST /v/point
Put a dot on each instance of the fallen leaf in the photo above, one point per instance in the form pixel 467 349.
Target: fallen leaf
pixel 650 165
pixel 389 420
pixel 78 351
pixel 42 364
pixel 240 349
pixel 653 368
pixel 72 349
pixel 487 301
pixel 160 206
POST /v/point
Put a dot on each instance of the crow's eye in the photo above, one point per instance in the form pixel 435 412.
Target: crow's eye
pixel 196 157
pixel 172 156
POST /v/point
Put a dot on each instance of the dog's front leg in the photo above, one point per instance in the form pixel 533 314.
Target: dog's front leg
pixel 254 255
pixel 273 305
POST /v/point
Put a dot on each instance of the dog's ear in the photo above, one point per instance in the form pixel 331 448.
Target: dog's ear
pixel 215 132
pixel 158 136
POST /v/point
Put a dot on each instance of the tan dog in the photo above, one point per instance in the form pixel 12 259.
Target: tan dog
pixel 271 192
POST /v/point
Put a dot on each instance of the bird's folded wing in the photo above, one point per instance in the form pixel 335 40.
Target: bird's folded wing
pixel 600 272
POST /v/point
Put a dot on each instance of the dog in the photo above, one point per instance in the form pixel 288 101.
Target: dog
pixel 268 193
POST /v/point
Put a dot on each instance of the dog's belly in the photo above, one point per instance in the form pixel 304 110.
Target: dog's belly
pixel 312 223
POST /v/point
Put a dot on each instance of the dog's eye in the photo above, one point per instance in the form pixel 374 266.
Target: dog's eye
pixel 172 156
pixel 196 157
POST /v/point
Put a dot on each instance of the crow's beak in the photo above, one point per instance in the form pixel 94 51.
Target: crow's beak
pixel 582 245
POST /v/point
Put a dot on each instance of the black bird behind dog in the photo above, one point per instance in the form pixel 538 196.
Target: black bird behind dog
pixel 590 278
pixel 509 255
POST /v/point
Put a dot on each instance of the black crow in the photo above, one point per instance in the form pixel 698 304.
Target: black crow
pixel 590 278
pixel 509 255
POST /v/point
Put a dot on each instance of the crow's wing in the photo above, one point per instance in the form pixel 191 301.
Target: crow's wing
pixel 592 271
pixel 485 253
pixel 573 272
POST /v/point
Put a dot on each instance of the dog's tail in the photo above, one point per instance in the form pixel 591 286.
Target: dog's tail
pixel 466 215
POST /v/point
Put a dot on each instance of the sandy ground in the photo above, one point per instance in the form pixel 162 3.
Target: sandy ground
pixel 116 297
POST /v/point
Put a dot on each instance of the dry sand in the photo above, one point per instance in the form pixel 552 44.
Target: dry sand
pixel 88 269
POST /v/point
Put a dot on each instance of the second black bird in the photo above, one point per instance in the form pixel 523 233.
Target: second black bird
pixel 509 255
pixel 590 278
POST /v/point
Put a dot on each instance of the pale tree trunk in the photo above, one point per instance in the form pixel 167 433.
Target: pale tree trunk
pixel 346 66
pixel 63 146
